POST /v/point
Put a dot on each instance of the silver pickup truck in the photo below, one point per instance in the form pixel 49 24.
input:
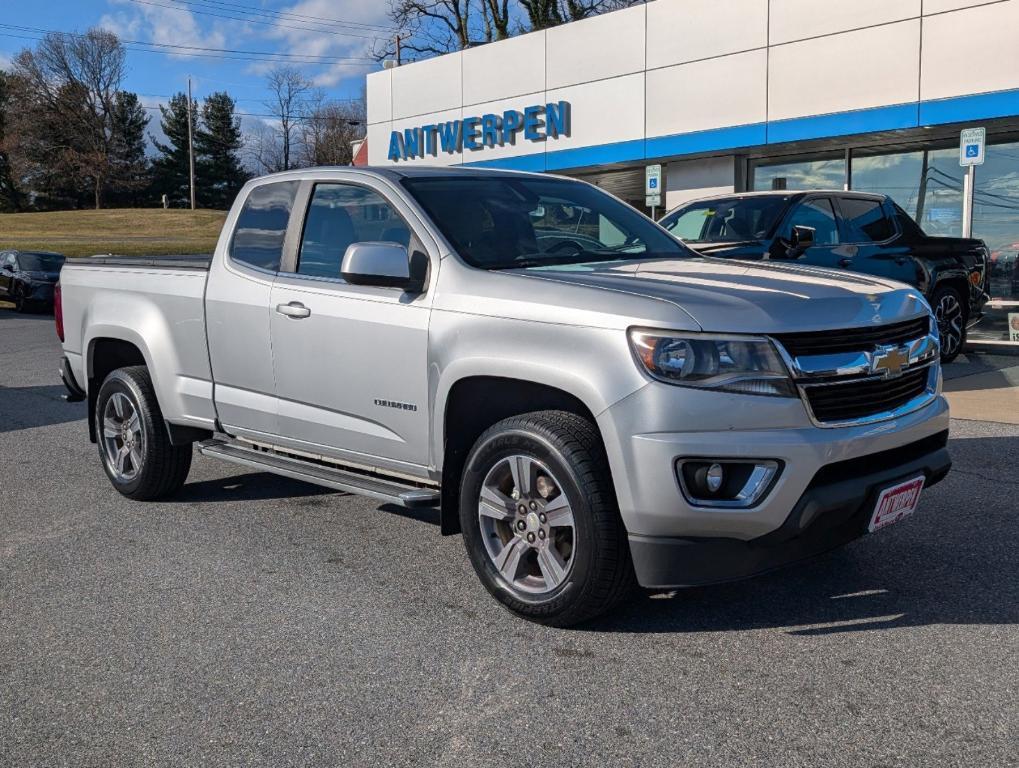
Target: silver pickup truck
pixel 588 401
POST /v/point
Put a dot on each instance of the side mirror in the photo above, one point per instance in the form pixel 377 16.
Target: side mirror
pixel 803 238
pixel 387 265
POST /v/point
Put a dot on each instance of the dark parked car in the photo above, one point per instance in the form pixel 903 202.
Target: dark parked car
pixel 845 230
pixel 27 278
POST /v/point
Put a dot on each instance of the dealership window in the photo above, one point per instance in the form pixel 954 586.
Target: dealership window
pixel 815 173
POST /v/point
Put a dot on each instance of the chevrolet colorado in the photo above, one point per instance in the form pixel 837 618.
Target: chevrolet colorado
pixel 587 400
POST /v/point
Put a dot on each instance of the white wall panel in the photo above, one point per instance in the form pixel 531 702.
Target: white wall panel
pixel 427 86
pixel 687 30
pixel 603 46
pixel 687 180
pixel 940 6
pixel 800 19
pixel 440 157
pixel 603 112
pixel 379 91
pixel 854 70
pixel 983 58
pixel 509 68
pixel 378 143
pixel 731 90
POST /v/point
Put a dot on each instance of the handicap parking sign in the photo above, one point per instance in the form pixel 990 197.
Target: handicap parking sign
pixel 971 146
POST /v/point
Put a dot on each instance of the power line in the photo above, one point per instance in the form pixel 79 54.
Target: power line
pixel 268 12
pixel 196 51
pixel 275 25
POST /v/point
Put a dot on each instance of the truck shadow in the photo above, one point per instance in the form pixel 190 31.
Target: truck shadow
pixel 955 562
pixel 40 406
pixel 251 486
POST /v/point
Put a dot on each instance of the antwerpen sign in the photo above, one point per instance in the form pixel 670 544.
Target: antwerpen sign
pixel 535 123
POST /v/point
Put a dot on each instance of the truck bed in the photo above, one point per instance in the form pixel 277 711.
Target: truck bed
pixel 182 261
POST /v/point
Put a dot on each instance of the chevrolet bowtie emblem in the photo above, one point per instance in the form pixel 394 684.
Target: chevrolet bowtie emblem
pixel 889 361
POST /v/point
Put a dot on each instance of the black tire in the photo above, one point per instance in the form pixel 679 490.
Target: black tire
pixel 601 572
pixel 20 305
pixel 951 313
pixel 163 467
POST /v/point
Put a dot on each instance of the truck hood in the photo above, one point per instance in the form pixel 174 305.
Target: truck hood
pixel 740 297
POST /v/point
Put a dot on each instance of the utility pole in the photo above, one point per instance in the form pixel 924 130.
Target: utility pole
pixel 398 52
pixel 191 149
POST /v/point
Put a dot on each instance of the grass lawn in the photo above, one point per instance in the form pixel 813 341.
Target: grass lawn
pixel 127 231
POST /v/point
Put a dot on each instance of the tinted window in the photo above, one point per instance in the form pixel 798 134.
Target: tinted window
pixel 726 220
pixel 41 262
pixel 341 214
pixel 867 220
pixel 820 215
pixel 516 221
pixel 262 225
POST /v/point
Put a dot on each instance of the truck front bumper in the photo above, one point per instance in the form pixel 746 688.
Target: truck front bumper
pixel 833 510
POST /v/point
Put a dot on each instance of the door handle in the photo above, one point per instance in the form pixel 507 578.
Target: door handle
pixel 845 261
pixel 294 309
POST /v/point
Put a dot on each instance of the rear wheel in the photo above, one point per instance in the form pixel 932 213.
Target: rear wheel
pixel 950 314
pixel 20 305
pixel 539 518
pixel 133 443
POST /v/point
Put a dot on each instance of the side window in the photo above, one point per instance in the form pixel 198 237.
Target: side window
pixel 866 220
pixel 689 225
pixel 341 214
pixel 819 214
pixel 262 225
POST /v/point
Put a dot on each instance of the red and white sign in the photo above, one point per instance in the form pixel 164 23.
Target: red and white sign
pixel 895 503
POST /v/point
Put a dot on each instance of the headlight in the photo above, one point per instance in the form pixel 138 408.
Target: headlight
pixel 749 365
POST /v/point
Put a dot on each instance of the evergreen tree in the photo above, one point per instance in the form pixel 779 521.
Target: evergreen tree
pixel 171 171
pixel 218 144
pixel 129 173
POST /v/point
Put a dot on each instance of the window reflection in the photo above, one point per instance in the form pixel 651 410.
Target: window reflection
pixel 807 174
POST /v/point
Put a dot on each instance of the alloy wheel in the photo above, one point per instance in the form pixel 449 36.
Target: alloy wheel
pixel 948 314
pixel 527 525
pixel 123 438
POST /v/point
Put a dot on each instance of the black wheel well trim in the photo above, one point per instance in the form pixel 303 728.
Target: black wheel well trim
pixel 474 404
pixel 105 355
pixel 956 280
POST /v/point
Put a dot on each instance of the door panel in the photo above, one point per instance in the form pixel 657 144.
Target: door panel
pixel 237 311
pixel 351 362
pixel 880 250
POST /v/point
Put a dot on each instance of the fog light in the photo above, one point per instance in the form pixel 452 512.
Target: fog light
pixel 714 476
pixel 734 484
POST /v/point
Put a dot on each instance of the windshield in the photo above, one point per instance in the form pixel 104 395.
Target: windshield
pixel 727 220
pixel 40 262
pixel 505 222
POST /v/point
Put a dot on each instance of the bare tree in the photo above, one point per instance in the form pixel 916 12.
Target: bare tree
pixel 329 130
pixel 434 27
pixel 72 83
pixel 264 149
pixel 542 14
pixel 291 92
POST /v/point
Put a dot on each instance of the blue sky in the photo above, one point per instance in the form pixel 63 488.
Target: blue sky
pixel 342 30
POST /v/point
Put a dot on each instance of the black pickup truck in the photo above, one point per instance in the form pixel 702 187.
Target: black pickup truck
pixel 844 230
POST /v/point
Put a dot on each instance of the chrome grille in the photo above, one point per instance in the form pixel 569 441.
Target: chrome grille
pixel 862 398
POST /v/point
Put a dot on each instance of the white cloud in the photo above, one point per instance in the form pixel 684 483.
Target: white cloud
pixel 5 61
pixel 165 25
pixel 352 39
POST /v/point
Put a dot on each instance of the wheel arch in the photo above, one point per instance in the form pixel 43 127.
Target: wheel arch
pixel 474 403
pixel 105 354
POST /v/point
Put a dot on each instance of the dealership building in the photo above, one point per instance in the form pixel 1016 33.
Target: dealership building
pixel 737 95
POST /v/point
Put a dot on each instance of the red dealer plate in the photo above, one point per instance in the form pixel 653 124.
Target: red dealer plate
pixel 895 503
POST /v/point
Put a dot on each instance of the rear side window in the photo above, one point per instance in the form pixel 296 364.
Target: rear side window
pixel 867 220
pixel 262 225
pixel 342 214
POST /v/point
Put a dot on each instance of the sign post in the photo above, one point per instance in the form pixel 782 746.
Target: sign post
pixel 972 143
pixel 653 187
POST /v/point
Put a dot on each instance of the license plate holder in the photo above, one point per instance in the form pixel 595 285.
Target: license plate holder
pixel 896 503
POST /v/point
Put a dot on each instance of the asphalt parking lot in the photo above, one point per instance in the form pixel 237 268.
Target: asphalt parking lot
pixel 258 621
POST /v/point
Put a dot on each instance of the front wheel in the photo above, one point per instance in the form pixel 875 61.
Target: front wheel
pixel 539 518
pixel 950 315
pixel 133 442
